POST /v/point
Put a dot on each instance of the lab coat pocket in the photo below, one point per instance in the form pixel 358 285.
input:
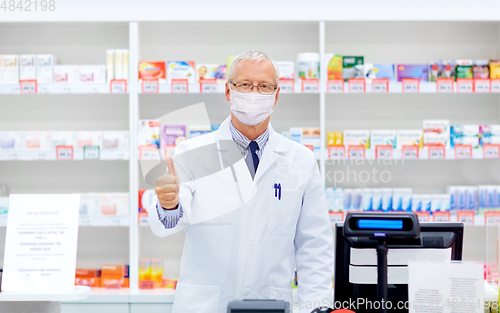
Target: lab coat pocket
pixel 284 211
pixel 196 298
pixel 280 294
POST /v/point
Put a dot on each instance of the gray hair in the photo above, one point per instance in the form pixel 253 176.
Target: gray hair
pixel 252 55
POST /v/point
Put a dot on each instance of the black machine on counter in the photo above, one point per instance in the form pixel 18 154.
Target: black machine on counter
pixel 258 306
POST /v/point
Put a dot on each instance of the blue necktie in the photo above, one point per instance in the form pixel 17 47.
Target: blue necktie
pixel 253 148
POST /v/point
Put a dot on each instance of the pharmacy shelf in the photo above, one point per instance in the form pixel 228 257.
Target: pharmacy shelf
pixel 15 89
pixel 417 154
pixel 93 221
pixel 397 87
pixel 30 155
pixel 124 295
pixel 218 88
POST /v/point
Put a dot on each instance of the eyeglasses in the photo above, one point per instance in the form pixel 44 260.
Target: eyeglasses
pixel 263 88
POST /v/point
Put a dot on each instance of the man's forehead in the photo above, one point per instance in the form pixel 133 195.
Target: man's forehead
pixel 255 67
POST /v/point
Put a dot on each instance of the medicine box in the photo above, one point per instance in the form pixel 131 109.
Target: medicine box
pixel 149 133
pixel 199 130
pixel 382 138
pixel 311 138
pixel 437 126
pixel 464 69
pixel 210 71
pixel 495 69
pixel 110 74
pixel 38 140
pixel 380 70
pixel 335 138
pixel 66 74
pixel 408 137
pixel 286 69
pixel 181 70
pixel 90 204
pixel 116 203
pixel 357 199
pixel 172 135
pixel 465 130
pixel 153 70
pixel 12 140
pixel 353 67
pixel 89 138
pixel 115 140
pixel 474 142
pixel 10 69
pixel 436 139
pixel 118 64
pixel 401 199
pixel 27 67
pixel 356 138
pixel 45 68
pixel 63 138
pixel 334 69
pixel 412 71
pixel 296 134
pixel 4 206
pixel 490 130
pixel 92 74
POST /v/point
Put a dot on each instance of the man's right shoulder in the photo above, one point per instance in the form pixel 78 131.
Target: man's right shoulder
pixel 196 142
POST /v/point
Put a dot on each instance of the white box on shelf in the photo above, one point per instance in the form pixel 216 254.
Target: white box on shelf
pixel 89 138
pixel 286 69
pixel 436 139
pixel 4 206
pixel 118 63
pixel 382 137
pixel 12 140
pixel 115 140
pixel 110 74
pixel 125 64
pixel 63 138
pixel 90 204
pixel 92 74
pixel 38 140
pixel 149 133
pixel 401 199
pixel 296 134
pixel 116 204
pixel 10 69
pixel 357 138
pixel 45 68
pixel 27 67
pixel 465 130
pixel 437 126
pixel 66 74
pixel 408 137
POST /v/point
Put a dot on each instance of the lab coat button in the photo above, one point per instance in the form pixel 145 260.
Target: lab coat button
pixel 246 292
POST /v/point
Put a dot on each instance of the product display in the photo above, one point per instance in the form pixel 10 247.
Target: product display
pixel 92 74
pixel 408 138
pixel 335 138
pixel 441 69
pixel 464 69
pixel 495 69
pixel 27 67
pixel 308 65
pixel 115 140
pixel 66 74
pixel 181 70
pixel 286 69
pixel 419 71
pixel 89 139
pixel 38 140
pixel 10 69
pixel 115 276
pixel 171 136
pixel 149 133
pixel 357 138
pixel 211 71
pixel 334 69
pixel 353 67
pixel 45 68
pixel 382 138
pixel 380 71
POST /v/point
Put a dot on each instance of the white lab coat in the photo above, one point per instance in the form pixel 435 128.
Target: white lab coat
pixel 248 252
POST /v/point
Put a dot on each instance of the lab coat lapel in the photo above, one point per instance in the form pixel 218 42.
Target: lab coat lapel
pixel 272 150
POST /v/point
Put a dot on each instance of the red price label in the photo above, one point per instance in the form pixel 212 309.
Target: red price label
pixel 491 151
pixel 441 216
pixel 482 85
pixel 380 85
pixel 357 85
pixel 180 86
pixel 118 86
pixel 150 86
pixel 409 152
pixel 495 85
pixel 463 152
pixel 383 152
pixel 310 85
pixel 28 86
pixel 356 152
pixel 466 217
pixel 444 85
pixel 423 216
pixel 411 85
pixel 336 152
pixel 208 85
pixel 465 85
pixel 436 153
pixel 64 152
pixel 491 218
pixel 287 85
pixel 148 153
pixel 336 217
pixel 336 85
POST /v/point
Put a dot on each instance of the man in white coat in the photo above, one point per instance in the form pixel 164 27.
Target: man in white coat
pixel 248 220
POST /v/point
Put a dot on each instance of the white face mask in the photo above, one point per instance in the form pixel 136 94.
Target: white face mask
pixel 251 108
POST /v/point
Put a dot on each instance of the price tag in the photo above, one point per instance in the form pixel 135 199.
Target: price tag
pixel 148 153
pixel 84 222
pixel 336 217
pixel 93 89
pixel 336 152
pixel 380 85
pixel 495 85
pixel 357 85
pixel 356 152
pixel 28 86
pixel 491 218
pixel 150 86
pixel 43 154
pixel 12 155
pixel 444 85
pixel 91 152
pixel 441 216
pixel 423 216
pixel 409 152
pixel 143 221
pixel 67 89
pixel 482 85
pixel 287 85
pixel 43 88
pixel 180 86
pixel 436 153
pixel 118 86
pixel 466 217
pixel 491 151
pixel 208 85
pixel 64 152
pixel 310 85
pixel 383 152
pixel 465 85
pixel 411 85
pixel 335 85
pixel 463 152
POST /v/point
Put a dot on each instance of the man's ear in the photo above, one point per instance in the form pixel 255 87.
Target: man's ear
pixel 277 95
pixel 227 91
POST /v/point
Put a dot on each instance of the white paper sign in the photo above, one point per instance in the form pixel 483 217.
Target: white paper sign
pixel 445 287
pixel 40 245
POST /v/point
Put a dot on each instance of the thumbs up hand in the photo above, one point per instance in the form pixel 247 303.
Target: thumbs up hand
pixel 167 186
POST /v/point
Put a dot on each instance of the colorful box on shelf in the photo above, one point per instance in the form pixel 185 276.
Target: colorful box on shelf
pixel 150 273
pixel 115 276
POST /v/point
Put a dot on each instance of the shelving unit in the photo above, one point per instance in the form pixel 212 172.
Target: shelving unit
pixel 94 108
